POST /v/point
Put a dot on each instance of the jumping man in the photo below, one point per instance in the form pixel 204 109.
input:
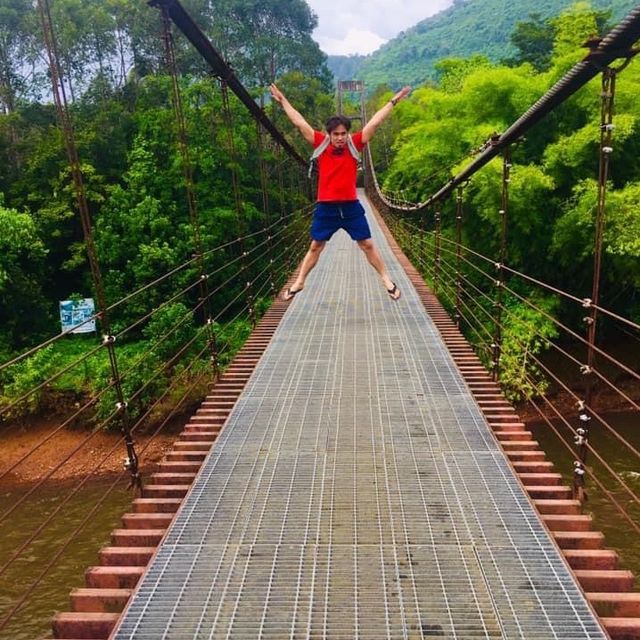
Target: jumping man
pixel 338 206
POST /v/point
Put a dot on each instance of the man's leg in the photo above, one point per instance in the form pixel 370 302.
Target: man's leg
pixel 375 260
pixel 310 260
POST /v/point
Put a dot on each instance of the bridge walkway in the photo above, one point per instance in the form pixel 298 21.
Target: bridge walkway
pixel 357 491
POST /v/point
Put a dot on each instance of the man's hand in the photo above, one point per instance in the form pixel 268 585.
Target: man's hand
pixel 381 114
pixel 403 93
pixel 276 94
pixel 303 126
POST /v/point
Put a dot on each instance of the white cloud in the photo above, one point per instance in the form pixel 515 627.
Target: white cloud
pixel 354 41
pixel 355 26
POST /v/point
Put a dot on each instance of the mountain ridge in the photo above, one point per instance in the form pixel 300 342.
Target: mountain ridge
pixel 466 28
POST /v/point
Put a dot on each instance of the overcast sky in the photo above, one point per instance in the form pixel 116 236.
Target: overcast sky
pixel 356 26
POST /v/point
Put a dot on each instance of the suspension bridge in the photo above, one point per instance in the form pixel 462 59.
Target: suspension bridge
pixel 354 470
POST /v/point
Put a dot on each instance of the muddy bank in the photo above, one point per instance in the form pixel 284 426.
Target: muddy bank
pixel 605 400
pixel 41 449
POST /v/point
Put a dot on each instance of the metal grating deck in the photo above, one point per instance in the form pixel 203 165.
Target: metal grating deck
pixel 357 492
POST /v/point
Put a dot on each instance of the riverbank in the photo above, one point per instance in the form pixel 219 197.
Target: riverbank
pixel 604 400
pixel 40 449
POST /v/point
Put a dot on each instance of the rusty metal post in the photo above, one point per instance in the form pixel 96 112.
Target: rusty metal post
pixel 264 187
pixel 192 204
pixel 437 249
pixel 60 100
pixel 496 345
pixel 590 304
pixel 457 314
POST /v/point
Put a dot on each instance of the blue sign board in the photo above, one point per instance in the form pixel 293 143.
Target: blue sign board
pixel 75 313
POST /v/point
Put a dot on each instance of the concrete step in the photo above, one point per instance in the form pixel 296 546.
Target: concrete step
pixel 179 466
pixel 624 605
pixel 604 580
pixel 513 435
pixel 579 539
pixel 484 388
pixel 496 402
pixel 84 625
pixel 567 522
pixel 558 506
pixel 489 395
pixel 125 556
pixel 99 600
pixel 226 386
pixel 211 412
pixel 166 490
pixel 147 520
pixel 592 559
pixel 185 456
pixel 136 537
pixel 171 478
pixel 508 426
pixel 210 419
pixel 520 445
pixel 208 425
pixel 113 577
pixel 534 466
pixel 549 492
pixel 524 455
pixel 622 628
pixel 199 436
pixel 540 479
pixel 492 417
pixel 192 445
pixel 223 395
pixel 156 505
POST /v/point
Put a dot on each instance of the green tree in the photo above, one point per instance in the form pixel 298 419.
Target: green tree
pixel 13 38
pixel 23 309
pixel 534 39
pixel 264 40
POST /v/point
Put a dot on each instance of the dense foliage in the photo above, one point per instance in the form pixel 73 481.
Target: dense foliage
pixel 553 187
pixel 132 168
pixel 121 105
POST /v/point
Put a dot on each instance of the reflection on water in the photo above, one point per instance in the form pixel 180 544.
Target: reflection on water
pixel 619 533
pixel 52 594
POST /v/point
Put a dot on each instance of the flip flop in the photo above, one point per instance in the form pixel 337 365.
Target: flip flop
pixel 392 292
pixel 289 294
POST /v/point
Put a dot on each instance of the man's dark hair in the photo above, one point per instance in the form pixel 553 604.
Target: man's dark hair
pixel 335 121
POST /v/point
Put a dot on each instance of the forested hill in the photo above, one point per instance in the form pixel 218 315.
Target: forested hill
pixel 466 28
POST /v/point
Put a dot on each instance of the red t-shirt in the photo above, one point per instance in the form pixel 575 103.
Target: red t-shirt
pixel 337 172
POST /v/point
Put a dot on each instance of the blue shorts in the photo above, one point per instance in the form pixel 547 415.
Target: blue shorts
pixel 328 217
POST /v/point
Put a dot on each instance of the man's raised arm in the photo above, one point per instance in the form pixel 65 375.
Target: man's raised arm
pixel 379 116
pixel 305 128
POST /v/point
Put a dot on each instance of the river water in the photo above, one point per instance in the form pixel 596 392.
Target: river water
pixel 52 594
pixel 619 533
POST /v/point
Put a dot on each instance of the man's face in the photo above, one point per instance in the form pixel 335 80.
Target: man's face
pixel 338 136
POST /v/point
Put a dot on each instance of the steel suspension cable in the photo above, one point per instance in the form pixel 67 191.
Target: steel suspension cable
pixel 223 71
pixel 582 301
pixel 617 44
